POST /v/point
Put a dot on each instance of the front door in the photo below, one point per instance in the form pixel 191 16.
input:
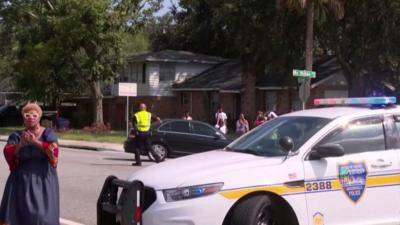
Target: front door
pixel 361 187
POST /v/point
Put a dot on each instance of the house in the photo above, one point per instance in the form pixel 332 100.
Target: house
pixel 154 73
pixel 222 85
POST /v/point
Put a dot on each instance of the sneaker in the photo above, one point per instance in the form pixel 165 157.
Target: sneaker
pixel 137 164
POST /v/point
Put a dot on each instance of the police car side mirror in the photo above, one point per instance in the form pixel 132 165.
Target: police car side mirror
pixel 287 143
pixel 327 150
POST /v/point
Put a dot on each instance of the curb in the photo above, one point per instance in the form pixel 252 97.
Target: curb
pixel 84 145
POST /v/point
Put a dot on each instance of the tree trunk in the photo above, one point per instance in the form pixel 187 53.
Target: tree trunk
pixel 309 44
pixel 310 35
pixel 98 103
pixel 355 83
pixel 248 102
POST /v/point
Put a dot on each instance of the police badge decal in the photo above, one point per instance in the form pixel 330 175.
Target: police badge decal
pixel 353 177
pixel 318 219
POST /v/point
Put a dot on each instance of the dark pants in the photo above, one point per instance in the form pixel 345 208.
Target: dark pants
pixel 143 142
pixel 130 145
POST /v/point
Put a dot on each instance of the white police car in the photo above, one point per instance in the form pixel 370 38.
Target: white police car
pixel 337 165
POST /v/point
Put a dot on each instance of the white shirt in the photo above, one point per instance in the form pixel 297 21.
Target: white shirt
pixel 221 116
pixel 223 129
pixel 272 115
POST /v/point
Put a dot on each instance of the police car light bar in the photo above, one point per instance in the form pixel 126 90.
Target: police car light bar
pixel 355 101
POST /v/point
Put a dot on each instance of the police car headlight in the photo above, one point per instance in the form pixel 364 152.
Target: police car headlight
pixel 183 193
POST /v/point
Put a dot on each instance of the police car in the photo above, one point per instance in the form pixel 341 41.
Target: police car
pixel 335 165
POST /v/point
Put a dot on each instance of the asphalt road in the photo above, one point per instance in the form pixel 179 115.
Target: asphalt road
pixel 81 176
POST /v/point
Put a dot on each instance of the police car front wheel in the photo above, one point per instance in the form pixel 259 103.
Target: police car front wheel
pixel 256 210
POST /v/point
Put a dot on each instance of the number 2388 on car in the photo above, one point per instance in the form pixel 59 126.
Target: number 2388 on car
pixel 333 165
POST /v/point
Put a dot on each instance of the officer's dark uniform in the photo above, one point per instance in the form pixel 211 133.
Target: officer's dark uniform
pixel 131 146
pixel 142 121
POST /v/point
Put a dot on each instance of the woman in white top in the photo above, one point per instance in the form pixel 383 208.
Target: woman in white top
pixel 222 126
pixel 187 116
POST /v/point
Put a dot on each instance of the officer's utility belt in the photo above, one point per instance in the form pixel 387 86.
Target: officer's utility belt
pixel 143 132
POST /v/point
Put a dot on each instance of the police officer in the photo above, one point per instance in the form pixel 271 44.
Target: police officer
pixel 142 121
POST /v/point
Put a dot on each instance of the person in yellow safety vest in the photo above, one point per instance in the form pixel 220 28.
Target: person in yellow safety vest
pixel 142 121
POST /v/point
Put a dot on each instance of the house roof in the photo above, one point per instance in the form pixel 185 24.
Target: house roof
pixel 226 77
pixel 176 56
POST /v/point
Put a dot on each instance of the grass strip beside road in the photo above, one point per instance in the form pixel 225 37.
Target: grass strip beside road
pixel 112 137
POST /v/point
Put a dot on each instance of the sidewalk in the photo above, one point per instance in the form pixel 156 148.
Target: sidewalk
pixel 87 145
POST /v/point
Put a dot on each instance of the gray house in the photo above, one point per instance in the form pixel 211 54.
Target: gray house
pixel 154 73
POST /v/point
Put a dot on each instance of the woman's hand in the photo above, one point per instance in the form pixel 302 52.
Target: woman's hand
pixel 23 141
pixel 32 138
pixel 24 138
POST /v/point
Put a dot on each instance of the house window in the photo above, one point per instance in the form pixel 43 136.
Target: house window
pixel 135 72
pixel 144 73
pixel 271 99
pixel 185 98
pixel 123 74
pixel 167 72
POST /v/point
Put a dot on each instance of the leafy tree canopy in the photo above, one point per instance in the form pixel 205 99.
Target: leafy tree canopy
pixel 60 45
pixel 365 41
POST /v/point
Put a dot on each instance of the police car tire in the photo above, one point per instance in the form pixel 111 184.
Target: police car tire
pixel 248 211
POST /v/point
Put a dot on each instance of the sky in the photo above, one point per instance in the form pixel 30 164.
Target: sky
pixel 165 7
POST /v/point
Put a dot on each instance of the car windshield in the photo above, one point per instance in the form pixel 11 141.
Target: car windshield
pixel 264 140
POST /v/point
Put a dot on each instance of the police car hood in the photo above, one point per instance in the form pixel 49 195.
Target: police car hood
pixel 202 168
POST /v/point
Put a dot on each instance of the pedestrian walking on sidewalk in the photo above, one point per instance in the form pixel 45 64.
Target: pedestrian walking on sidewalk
pixel 242 125
pixel 221 120
pixel 260 119
pixel 31 193
pixel 142 121
pixel 220 117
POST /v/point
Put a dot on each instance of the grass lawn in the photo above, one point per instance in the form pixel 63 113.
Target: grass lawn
pixel 113 137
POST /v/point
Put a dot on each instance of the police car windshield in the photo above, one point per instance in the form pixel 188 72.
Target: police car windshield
pixel 264 140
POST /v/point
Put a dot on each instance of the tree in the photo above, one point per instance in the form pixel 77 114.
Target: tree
pixel 253 31
pixel 136 43
pixel 366 40
pixel 194 27
pixel 71 41
pixel 36 60
pixel 336 6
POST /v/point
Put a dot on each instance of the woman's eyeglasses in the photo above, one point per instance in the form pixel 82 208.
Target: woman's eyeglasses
pixel 31 115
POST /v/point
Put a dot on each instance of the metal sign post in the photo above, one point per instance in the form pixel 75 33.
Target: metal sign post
pixel 304 79
pixel 127 116
pixel 304 90
pixel 127 89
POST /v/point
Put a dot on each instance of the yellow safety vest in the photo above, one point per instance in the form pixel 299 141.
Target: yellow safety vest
pixel 143 121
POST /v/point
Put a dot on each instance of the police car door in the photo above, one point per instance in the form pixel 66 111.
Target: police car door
pixel 359 187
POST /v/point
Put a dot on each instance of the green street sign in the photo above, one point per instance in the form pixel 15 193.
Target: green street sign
pixel 304 73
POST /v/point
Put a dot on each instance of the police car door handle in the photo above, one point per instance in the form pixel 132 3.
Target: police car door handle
pixel 294 184
pixel 380 163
